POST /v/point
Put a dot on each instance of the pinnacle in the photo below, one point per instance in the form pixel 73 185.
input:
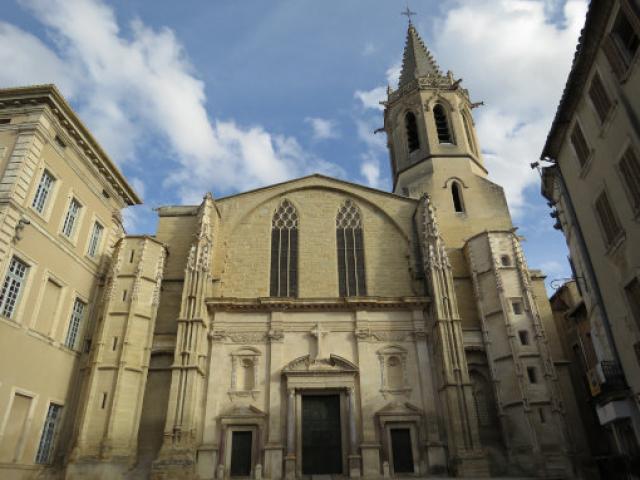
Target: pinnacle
pixel 417 60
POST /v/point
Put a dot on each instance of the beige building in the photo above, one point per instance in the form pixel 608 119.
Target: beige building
pixel 313 327
pixel 60 202
pixel 593 183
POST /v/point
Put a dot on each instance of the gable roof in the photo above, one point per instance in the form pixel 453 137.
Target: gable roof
pixel 321 177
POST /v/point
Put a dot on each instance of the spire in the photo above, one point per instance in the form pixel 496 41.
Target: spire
pixel 417 61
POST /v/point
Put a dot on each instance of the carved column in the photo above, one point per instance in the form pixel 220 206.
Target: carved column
pixel 290 459
pixel 354 458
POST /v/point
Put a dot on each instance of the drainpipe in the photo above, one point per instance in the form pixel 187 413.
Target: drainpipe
pixel 587 259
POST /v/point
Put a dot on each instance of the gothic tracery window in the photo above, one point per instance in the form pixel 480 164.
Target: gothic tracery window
pixel 350 251
pixel 413 140
pixel 284 251
pixel 442 124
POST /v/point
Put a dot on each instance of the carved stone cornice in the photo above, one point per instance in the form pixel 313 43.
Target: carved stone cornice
pixel 295 304
pixel 29 97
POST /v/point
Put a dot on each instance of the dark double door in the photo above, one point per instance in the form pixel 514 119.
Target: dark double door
pixel 321 435
pixel 401 450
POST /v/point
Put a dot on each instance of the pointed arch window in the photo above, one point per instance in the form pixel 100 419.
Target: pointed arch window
pixel 284 251
pixel 442 124
pixel 413 140
pixel 466 120
pixel 350 251
pixel 456 194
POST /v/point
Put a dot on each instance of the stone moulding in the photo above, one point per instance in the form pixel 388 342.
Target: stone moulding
pixel 348 303
pixel 305 365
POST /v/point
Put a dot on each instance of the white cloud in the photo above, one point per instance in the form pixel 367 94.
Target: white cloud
pixel 133 85
pixel 516 59
pixel 372 98
pixel 323 129
pixel 370 170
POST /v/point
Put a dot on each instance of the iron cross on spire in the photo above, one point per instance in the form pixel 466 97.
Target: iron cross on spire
pixel 408 13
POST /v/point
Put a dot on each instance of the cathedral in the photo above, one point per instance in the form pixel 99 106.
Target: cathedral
pixel 318 327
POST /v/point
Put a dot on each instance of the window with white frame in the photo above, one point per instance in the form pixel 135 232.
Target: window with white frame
pixel 12 286
pixel 44 190
pixel 94 241
pixel 71 218
pixel 48 434
pixel 74 323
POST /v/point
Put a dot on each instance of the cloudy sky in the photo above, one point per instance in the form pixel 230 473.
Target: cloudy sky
pixel 227 95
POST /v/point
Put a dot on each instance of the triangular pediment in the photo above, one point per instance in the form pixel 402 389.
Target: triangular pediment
pixel 243 411
pixel 399 408
pixel 333 364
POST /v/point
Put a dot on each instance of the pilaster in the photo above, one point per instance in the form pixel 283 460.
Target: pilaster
pixel 467 456
pixel 183 429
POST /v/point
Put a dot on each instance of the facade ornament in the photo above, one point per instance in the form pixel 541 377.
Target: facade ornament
pixel 275 335
pixel 318 333
pixel 159 274
pixel 218 335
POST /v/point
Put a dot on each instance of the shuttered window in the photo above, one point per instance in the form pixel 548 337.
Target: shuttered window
pixel 12 287
pixel 580 145
pixel 94 241
pixel 630 171
pixel 599 97
pixel 413 140
pixel 608 220
pixel 71 218
pixel 623 42
pixel 48 434
pixel 284 251
pixel 632 290
pixel 442 124
pixel 350 243
pixel 43 192
pixel 74 323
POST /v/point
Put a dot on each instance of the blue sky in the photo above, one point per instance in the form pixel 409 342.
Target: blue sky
pixel 227 95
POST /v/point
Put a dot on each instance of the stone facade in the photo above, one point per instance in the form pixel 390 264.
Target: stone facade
pixel 411 337
pixel 591 178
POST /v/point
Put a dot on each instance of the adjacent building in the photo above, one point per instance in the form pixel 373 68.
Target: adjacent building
pixel 60 202
pixel 312 327
pixel 592 182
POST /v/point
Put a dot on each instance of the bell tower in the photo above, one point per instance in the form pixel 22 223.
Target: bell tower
pixel 428 119
pixel 434 148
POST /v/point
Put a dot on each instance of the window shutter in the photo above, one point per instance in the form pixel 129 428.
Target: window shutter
pixel 630 172
pixel 599 97
pixel 616 60
pixel 608 220
pixel 632 11
pixel 579 144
